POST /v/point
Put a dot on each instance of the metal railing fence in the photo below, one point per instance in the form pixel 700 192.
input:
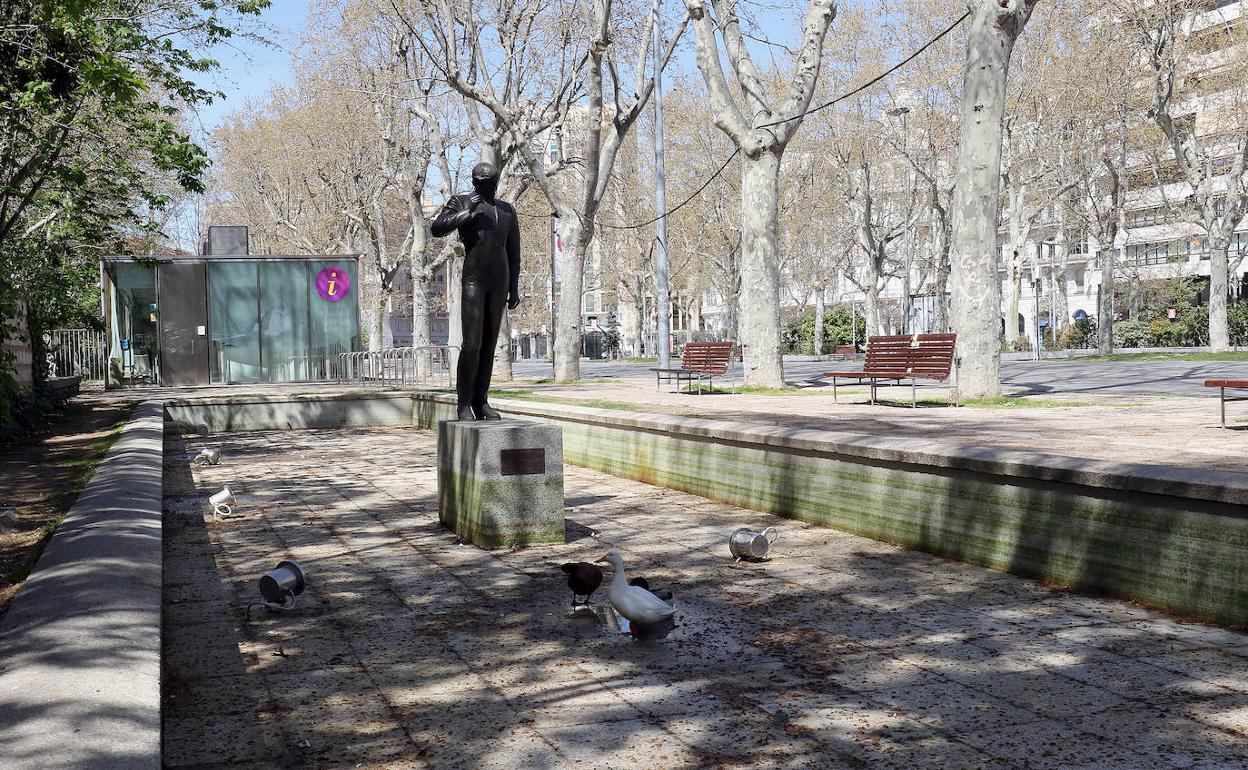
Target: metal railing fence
pixel 77 353
pixel 423 366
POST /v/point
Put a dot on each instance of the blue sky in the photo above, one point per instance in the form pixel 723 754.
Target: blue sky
pixel 248 67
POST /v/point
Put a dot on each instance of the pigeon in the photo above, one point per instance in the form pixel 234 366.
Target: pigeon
pixel 583 578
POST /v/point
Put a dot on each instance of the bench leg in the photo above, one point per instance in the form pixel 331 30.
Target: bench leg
pixel 914 404
pixel 834 399
pixel 1222 398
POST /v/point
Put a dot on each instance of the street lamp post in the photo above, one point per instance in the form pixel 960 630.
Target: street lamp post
pixel 554 256
pixel 661 299
pixel 902 111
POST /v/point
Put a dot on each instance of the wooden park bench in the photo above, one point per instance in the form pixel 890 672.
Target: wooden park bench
pixel 698 361
pixel 845 351
pixel 1223 386
pixel 892 360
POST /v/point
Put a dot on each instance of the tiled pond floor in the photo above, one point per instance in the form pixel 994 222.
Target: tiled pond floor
pixel 410 651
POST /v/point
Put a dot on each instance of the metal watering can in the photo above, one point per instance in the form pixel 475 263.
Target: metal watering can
pixel 223 502
pixel 746 544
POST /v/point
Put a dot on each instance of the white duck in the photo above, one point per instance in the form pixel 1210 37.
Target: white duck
pixel 634 602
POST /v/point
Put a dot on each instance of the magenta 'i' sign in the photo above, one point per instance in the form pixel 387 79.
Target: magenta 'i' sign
pixel 332 284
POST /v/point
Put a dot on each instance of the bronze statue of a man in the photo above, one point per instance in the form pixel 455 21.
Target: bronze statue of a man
pixel 491 236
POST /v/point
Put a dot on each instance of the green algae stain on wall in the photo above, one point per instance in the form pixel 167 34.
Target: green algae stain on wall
pixel 1171 552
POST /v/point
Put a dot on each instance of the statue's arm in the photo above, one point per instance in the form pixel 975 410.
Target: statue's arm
pixel 513 261
pixel 453 214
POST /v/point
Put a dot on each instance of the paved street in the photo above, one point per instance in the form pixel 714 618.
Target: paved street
pixel 409 651
pixel 1023 377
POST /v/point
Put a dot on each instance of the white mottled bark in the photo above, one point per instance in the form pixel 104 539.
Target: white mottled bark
pixel 1014 270
pixel 940 285
pixel 871 308
pixel 1219 331
pixel 420 321
pixel 571 285
pixel 975 252
pixel 1060 291
pixel 377 321
pixel 454 323
pixel 819 313
pixel 760 270
pixel 639 317
pixel 760 128
pixel 420 308
pixel 502 351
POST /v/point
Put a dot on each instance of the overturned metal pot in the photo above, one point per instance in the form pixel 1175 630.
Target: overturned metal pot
pixel 283 583
pixel 207 456
pixel 748 545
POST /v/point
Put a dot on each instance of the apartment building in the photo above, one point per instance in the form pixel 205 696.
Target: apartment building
pixel 1061 281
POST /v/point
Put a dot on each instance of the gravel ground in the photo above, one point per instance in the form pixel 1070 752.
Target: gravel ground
pixel 409 651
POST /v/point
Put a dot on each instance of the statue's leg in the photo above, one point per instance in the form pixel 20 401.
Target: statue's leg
pixel 495 305
pixel 472 316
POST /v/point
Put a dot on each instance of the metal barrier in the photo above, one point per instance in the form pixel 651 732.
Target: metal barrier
pixel 77 353
pixel 423 366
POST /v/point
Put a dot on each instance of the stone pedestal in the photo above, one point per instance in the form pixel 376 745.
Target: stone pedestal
pixel 500 482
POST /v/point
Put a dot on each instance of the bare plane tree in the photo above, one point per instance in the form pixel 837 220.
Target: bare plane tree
pixel 1211 150
pixel 976 317
pixel 761 125
pixel 544 46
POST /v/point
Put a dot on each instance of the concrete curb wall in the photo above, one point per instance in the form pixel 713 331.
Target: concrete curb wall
pixel 224 414
pixel 80 644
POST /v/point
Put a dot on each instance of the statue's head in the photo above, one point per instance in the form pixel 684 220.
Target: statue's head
pixel 485 179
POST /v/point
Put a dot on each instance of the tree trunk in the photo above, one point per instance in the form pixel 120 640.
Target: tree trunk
pixel 502 351
pixel 871 303
pixel 819 308
pixel 1060 290
pixel 940 285
pixel 977 198
pixel 376 337
pixel 420 322
pixel 420 308
pixel 571 285
pixel 1015 274
pixel 1014 269
pixel 1105 303
pixel 1219 333
pixel 454 308
pixel 639 318
pixel 760 270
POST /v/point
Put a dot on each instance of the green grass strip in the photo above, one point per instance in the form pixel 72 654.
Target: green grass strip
pixel 1228 356
pixel 528 395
